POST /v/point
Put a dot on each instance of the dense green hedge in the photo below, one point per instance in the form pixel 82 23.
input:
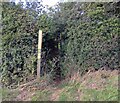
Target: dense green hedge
pixel 19 41
pixel 92 37
pixel 76 36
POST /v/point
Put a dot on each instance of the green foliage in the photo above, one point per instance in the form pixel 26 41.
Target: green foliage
pixel 17 44
pixel 19 41
pixel 76 36
pixel 92 37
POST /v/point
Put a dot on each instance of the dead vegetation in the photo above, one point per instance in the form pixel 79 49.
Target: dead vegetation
pixel 73 88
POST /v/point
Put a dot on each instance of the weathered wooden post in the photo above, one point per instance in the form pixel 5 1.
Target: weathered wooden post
pixel 39 54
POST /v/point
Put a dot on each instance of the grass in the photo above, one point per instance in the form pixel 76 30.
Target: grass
pixel 8 95
pixel 41 96
pixel 69 93
pixel 63 97
pixel 62 85
pixel 106 91
pixel 109 94
pixel 97 86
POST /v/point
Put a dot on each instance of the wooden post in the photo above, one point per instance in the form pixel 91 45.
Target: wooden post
pixel 39 53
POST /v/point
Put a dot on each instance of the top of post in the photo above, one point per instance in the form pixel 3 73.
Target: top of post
pixel 40 31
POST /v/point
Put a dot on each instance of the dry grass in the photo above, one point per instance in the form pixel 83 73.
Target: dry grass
pixel 75 88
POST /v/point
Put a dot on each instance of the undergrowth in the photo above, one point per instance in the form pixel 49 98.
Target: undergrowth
pixel 94 86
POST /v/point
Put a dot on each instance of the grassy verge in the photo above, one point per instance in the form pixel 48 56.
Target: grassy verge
pixel 97 86
pixel 8 95
pixel 43 95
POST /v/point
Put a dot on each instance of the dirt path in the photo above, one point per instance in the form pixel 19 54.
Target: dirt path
pixel 55 95
pixel 26 91
pixel 24 95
